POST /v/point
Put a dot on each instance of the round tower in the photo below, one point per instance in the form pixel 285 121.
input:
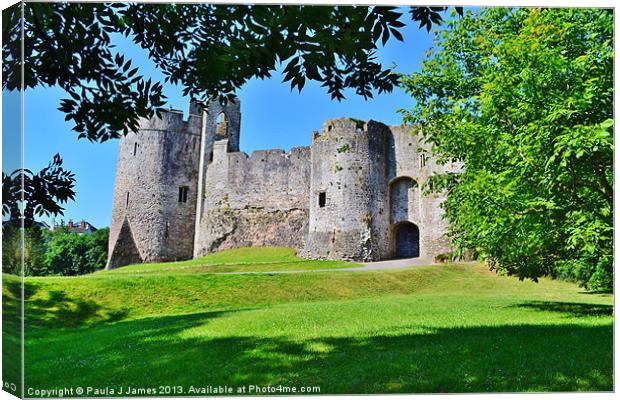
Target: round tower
pixel 155 191
pixel 348 191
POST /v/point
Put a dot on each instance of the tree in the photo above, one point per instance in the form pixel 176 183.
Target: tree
pixel 524 99
pixel 56 252
pixel 211 50
pixel 73 254
pixel 31 195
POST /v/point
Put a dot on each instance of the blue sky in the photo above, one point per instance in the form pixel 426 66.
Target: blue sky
pixel 272 117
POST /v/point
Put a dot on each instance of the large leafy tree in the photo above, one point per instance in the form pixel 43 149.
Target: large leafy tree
pixel 524 99
pixel 56 252
pixel 210 50
pixel 29 243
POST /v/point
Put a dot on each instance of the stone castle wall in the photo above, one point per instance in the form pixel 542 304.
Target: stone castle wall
pixel 257 200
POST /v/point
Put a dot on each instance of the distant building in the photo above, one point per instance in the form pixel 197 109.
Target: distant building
pixel 80 227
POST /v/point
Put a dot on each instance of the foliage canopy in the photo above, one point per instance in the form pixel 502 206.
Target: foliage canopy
pixel 75 254
pixel 210 50
pixel 524 99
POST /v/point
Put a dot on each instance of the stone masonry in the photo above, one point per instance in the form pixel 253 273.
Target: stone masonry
pixel 183 189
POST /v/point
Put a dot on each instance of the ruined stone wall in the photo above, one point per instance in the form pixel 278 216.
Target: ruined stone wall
pixel 350 172
pixel 148 221
pixel 257 200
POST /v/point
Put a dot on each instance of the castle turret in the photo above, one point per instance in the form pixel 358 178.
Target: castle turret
pixel 223 122
pixel 348 191
pixel 155 193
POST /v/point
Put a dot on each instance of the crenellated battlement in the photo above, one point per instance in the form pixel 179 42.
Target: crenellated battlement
pixel 260 162
pixel 343 125
pixel 173 121
pixel 346 127
pixel 275 154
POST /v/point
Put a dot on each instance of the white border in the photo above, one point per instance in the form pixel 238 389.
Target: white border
pixel 487 3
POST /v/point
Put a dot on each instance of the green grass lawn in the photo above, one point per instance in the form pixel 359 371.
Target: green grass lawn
pixel 449 328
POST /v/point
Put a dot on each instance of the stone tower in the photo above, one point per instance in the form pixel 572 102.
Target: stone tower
pixel 348 188
pixel 416 225
pixel 155 190
pixel 221 127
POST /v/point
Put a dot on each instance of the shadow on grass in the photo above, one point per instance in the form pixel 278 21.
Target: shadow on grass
pixel 55 310
pixel 11 334
pixel 608 292
pixel 570 309
pixel 161 351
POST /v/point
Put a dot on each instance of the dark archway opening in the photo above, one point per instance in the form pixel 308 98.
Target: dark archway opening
pixel 406 240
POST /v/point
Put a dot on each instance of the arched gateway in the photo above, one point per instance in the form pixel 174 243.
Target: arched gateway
pixel 406 240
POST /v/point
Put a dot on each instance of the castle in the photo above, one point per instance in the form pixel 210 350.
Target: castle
pixel 183 189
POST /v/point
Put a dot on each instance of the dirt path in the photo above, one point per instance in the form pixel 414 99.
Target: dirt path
pixel 386 265
pixel 400 263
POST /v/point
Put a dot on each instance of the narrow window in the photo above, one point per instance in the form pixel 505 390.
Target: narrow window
pixel 322 199
pixel 221 126
pixel 211 157
pixel 135 148
pixel 166 231
pixel 220 118
pixel 422 160
pixel 183 194
pixel 127 199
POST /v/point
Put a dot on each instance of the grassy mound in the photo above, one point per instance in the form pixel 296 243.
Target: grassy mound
pixel 245 259
pixel 453 328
